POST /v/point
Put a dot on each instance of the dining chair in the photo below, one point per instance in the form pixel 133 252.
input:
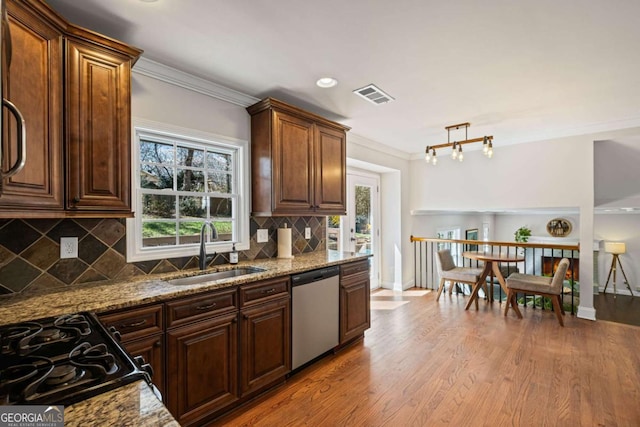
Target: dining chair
pixel 550 287
pixel 448 272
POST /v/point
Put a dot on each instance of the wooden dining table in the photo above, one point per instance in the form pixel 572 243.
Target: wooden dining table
pixel 491 264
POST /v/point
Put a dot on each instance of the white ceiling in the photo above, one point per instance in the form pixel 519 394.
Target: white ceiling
pixel 519 70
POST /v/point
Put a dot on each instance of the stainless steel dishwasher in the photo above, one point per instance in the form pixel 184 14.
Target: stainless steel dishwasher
pixel 315 314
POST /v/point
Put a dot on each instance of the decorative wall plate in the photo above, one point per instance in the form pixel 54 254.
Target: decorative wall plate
pixel 559 227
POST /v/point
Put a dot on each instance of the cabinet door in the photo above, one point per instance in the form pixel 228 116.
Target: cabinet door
pixel 202 368
pixel 265 344
pixel 152 351
pixel 98 90
pixel 331 175
pixel 292 164
pixel 355 315
pixel 33 83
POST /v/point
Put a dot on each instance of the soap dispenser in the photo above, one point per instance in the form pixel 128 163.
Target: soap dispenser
pixel 233 255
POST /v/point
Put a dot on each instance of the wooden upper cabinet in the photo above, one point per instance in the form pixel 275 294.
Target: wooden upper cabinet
pixel 331 154
pixel 98 99
pixel 292 145
pixel 32 81
pixel 298 161
pixel 73 88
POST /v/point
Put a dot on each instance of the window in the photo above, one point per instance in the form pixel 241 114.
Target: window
pixel 182 179
pixel 450 234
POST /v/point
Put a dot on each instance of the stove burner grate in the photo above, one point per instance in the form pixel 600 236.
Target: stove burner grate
pixel 61 360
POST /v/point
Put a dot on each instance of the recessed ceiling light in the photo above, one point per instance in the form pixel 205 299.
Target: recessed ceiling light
pixel 326 82
pixel 148 1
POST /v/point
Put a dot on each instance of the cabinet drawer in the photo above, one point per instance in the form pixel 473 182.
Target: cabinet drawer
pixel 354 268
pixel 263 291
pixel 201 307
pixel 136 323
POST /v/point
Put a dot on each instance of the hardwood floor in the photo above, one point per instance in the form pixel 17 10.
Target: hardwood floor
pixel 621 309
pixel 427 363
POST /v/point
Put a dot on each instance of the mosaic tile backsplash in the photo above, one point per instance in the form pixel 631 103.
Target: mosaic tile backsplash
pixel 30 250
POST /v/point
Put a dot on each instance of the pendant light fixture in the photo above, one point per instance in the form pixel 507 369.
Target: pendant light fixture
pixel 456 153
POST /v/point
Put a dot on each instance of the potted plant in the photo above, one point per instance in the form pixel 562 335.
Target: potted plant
pixel 522 234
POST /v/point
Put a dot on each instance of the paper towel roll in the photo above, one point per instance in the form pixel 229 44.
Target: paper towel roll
pixel 284 242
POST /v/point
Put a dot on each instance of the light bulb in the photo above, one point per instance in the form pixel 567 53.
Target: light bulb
pixel 490 150
pixel 485 147
pixel 427 155
pixel 434 160
pixel 454 153
pixel 460 155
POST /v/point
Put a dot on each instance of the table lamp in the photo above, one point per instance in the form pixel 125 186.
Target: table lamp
pixel 616 249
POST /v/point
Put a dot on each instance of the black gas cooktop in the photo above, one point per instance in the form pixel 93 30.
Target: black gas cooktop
pixel 62 360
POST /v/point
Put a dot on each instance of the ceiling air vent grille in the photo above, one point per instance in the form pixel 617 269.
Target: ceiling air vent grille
pixel 373 94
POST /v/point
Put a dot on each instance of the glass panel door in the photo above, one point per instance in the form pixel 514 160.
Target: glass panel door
pixel 358 231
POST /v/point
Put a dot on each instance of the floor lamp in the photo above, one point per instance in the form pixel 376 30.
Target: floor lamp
pixel 616 249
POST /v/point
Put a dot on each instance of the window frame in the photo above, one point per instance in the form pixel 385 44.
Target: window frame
pixel 155 131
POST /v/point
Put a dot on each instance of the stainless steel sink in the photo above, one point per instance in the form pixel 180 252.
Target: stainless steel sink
pixel 210 277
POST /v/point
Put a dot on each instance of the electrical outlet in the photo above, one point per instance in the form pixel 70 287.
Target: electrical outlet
pixel 307 233
pixel 263 235
pixel 68 247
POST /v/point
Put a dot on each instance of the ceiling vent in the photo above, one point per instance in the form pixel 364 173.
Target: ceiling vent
pixel 373 94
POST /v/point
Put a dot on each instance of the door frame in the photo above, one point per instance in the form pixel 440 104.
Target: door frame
pixel 355 177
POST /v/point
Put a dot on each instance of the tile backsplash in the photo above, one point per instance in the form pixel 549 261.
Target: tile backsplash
pixel 30 250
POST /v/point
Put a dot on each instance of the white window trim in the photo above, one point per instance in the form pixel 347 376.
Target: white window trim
pixel 135 251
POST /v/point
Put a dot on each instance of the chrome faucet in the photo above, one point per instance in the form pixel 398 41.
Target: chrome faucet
pixel 203 244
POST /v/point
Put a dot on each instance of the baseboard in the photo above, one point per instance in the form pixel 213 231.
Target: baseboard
pixel 619 291
pixel 588 313
pixel 395 286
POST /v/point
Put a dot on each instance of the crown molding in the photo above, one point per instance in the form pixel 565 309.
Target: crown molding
pixel 369 144
pixel 158 71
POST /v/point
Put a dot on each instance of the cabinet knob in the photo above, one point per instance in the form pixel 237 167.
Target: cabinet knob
pixel 75 200
pixel 157 344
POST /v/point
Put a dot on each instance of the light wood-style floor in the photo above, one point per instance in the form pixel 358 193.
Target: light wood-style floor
pixel 427 363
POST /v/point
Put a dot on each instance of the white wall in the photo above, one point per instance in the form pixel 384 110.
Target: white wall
pixel 507 224
pixel 162 102
pixel 543 174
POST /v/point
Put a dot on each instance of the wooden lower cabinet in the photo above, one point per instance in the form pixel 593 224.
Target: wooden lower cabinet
pixel 202 368
pixel 142 334
pixel 152 351
pixel 355 290
pixel 265 344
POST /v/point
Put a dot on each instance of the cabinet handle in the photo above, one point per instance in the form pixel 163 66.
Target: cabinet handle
pixel 75 200
pixel 269 291
pixel 205 307
pixel 134 324
pixel 22 140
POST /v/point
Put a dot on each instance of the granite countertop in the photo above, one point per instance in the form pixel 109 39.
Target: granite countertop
pixel 130 405
pixel 113 295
